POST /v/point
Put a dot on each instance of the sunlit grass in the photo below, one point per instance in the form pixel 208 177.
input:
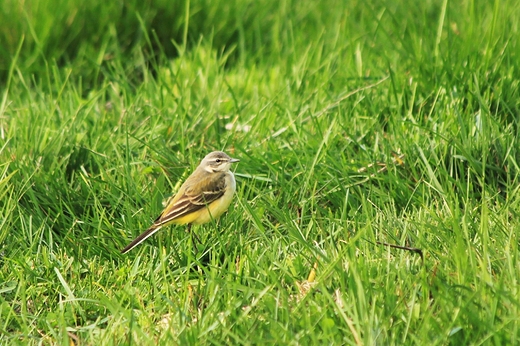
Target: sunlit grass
pixel 378 122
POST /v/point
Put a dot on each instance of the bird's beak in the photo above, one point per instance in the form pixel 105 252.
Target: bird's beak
pixel 234 160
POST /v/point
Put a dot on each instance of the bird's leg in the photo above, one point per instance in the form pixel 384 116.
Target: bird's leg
pixel 194 239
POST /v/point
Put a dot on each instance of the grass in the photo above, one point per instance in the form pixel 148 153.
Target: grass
pixel 372 121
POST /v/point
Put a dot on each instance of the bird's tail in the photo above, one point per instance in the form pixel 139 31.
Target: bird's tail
pixel 142 237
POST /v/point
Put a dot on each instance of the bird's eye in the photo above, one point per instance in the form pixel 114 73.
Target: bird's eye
pixel 218 160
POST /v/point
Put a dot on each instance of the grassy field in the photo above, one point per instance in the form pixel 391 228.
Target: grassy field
pixel 356 123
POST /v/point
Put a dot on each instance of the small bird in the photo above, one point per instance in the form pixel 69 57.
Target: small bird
pixel 204 196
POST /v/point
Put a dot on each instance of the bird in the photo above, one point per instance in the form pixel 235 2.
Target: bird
pixel 204 196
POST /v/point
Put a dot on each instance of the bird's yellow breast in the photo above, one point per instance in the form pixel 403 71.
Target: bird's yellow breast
pixel 213 210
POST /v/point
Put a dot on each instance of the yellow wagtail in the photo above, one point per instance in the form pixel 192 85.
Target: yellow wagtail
pixel 204 196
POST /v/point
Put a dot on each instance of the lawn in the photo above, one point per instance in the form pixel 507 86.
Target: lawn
pixel 357 124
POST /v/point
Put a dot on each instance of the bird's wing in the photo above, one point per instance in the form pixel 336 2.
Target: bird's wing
pixel 194 196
